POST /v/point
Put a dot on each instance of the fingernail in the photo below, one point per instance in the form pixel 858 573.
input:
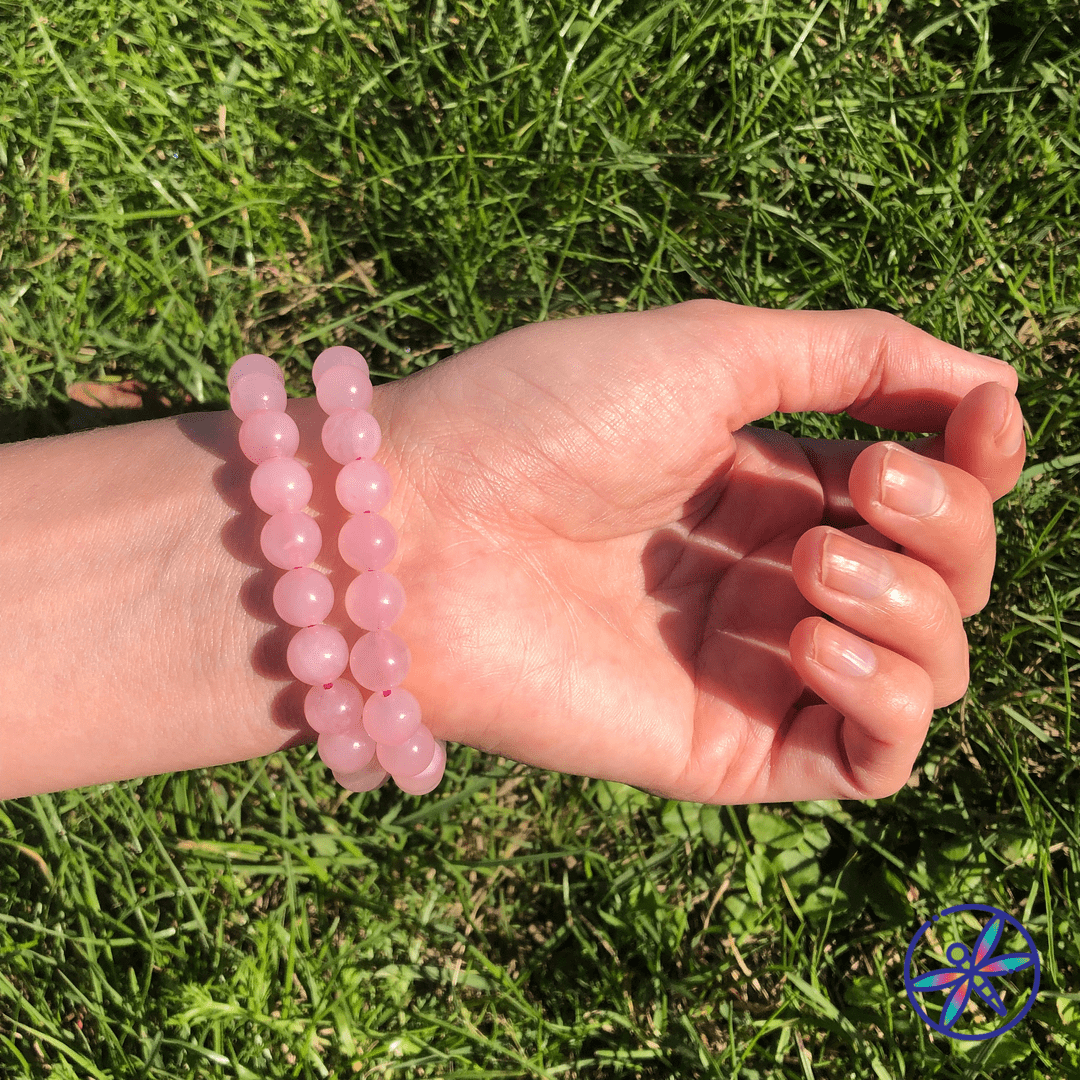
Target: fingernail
pixel 842 652
pixel 1011 434
pixel 909 484
pixel 853 567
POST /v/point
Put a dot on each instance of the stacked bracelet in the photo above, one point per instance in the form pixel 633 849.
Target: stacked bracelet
pixel 361 743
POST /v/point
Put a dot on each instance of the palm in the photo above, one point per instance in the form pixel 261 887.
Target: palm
pixel 658 653
pixel 603 590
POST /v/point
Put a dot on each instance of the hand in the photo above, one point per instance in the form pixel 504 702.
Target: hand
pixel 609 573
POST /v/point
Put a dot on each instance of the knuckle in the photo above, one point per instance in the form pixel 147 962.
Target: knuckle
pixel 977 603
pixel 886 321
pixel 942 617
pixel 915 708
pixel 701 310
pixel 926 603
pixel 886 325
pixel 958 686
pixel 880 785
pixel 912 709
pixel 885 786
pixel 705 305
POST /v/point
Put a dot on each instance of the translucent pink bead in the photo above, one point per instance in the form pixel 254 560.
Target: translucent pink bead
pixel 392 719
pixel 367 779
pixel 334 709
pixel 336 356
pixel 248 365
pixel 379 660
pixel 410 757
pixel 374 600
pixel 303 596
pixel 367 542
pixel 429 779
pixel 290 539
pixel 343 387
pixel 346 752
pixel 350 434
pixel 317 654
pixel 363 486
pixel 268 434
pixel 281 484
pixel 258 391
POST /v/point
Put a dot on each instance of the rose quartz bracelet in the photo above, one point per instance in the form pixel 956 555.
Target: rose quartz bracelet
pixel 361 743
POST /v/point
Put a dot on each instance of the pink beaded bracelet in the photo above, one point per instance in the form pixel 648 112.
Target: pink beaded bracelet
pixel 361 743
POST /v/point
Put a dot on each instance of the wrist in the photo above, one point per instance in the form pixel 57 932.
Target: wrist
pixel 390 736
pixel 137 624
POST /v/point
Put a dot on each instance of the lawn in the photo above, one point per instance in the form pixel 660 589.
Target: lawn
pixel 182 182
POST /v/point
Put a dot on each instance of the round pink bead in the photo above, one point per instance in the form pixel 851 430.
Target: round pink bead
pixel 303 597
pixel 248 365
pixel 367 542
pixel 349 434
pixel 281 484
pixel 291 539
pixel 258 391
pixel 336 356
pixel 429 779
pixel 410 757
pixel 343 387
pixel 317 654
pixel 379 660
pixel 366 779
pixel 374 600
pixel 347 752
pixel 335 709
pixel 363 486
pixel 392 719
pixel 268 434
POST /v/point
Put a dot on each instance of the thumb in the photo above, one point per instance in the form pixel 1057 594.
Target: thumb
pixel 870 364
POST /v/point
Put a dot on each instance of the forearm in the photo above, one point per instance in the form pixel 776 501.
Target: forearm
pixel 137 628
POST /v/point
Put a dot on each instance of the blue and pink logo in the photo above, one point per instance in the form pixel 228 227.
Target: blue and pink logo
pixel 968 971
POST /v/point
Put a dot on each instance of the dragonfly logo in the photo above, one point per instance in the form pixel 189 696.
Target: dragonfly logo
pixel 966 971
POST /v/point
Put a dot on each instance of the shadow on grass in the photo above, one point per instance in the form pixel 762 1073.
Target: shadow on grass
pixel 91 405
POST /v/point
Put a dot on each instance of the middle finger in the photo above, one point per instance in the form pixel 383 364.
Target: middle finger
pixel 936 513
pixel 969 443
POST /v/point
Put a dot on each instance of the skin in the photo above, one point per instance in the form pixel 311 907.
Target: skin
pixel 607 571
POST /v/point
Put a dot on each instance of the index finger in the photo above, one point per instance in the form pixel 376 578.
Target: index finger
pixel 968 443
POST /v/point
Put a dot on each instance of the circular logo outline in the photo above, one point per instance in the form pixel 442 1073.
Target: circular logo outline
pixel 911 991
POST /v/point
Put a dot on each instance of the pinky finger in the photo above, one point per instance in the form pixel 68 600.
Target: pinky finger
pixel 885 704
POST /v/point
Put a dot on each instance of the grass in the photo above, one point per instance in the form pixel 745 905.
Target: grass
pixel 182 182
